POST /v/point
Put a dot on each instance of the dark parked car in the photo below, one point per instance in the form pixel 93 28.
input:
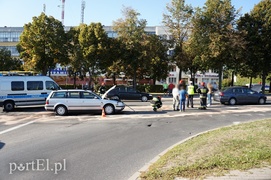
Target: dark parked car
pixel 239 95
pixel 128 93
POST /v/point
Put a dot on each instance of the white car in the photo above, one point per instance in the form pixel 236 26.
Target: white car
pixel 64 101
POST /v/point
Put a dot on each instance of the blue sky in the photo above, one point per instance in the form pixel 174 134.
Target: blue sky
pixel 16 13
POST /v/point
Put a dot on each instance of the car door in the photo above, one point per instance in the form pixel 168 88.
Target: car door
pixel 73 101
pixel 134 95
pixel 90 101
pixel 240 95
pixel 122 93
pixel 252 96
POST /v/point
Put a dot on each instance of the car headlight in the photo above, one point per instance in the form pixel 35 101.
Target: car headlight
pixel 120 104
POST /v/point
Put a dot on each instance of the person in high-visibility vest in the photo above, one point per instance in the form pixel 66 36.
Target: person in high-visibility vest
pixel 191 92
pixel 202 95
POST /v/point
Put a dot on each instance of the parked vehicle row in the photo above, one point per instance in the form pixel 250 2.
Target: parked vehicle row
pixel 34 90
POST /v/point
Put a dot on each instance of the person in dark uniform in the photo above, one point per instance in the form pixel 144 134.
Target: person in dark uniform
pixel 202 95
pixel 102 89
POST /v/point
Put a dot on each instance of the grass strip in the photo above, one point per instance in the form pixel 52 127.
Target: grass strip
pixel 215 153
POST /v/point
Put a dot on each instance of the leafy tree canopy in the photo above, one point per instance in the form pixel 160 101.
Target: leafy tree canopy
pixel 43 44
pixel 7 63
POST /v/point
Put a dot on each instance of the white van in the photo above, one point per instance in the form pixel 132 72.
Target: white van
pixel 25 90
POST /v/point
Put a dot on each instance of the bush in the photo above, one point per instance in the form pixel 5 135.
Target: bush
pixel 154 88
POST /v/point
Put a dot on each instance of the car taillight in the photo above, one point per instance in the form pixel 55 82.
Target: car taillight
pixel 47 102
pixel 221 94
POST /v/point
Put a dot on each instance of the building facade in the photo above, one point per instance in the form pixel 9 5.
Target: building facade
pixel 9 38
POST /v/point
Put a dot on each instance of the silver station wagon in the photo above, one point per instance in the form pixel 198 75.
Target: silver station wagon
pixel 64 101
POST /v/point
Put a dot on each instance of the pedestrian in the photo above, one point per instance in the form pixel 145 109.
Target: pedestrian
pixel 181 83
pixel 202 90
pixel 176 98
pixel 165 87
pixel 209 94
pixel 183 95
pixel 170 88
pixel 191 92
pixel 102 89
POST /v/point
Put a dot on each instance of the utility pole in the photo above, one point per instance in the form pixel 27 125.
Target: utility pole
pixel 62 12
pixel 83 5
pixel 44 8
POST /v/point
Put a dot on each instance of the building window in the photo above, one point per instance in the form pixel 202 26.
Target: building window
pixel 172 80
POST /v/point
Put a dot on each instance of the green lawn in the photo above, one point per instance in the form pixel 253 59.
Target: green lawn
pixel 238 147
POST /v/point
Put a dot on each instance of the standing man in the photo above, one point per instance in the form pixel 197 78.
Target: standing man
pixel 183 94
pixel 202 95
pixel 170 88
pixel 165 87
pixel 176 98
pixel 191 92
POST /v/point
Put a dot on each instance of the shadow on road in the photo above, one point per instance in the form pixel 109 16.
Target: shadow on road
pixel 2 145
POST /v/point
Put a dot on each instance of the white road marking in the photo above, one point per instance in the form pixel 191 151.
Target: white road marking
pixel 16 127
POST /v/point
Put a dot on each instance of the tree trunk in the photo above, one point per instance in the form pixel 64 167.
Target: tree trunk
pixel 250 82
pixel 74 80
pixel 180 74
pixel 220 77
pixel 232 78
pixel 263 82
pixel 134 79
pixel 154 80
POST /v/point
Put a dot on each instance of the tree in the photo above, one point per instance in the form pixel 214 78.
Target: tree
pixel 178 21
pixel 214 32
pixel 116 51
pixel 8 63
pixel 257 25
pixel 43 44
pixel 75 53
pixel 156 59
pixel 94 44
pixel 131 32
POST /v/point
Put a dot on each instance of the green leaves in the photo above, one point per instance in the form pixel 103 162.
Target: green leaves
pixel 43 44
pixel 8 63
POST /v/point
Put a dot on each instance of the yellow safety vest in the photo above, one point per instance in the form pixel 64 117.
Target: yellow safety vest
pixel 203 92
pixel 190 90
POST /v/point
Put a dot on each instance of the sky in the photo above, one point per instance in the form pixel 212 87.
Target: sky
pixel 16 13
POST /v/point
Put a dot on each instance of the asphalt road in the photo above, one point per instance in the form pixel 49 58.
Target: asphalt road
pixel 35 144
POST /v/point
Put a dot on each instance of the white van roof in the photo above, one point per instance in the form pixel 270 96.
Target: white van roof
pixel 14 78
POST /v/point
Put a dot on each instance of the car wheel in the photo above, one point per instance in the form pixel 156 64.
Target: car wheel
pixel 109 109
pixel 9 106
pixel 261 101
pixel 61 110
pixel 144 98
pixel 115 98
pixel 232 101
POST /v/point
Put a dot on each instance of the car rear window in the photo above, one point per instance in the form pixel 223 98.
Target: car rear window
pixel 59 95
